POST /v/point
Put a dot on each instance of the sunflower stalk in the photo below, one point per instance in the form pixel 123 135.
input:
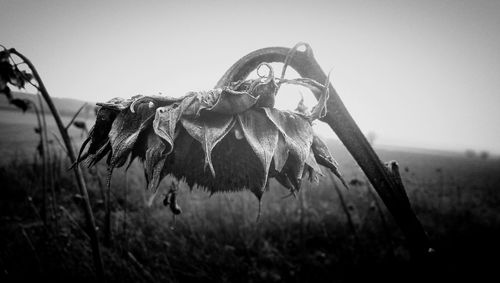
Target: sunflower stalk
pixel 339 119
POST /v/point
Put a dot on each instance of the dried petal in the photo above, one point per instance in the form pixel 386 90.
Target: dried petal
pixel 312 168
pixel 157 100
pixel 126 129
pixel 99 133
pixel 324 157
pixel 297 133
pixel 262 135
pixel 283 179
pixel 231 102
pixel 280 154
pixel 301 106
pixel 319 110
pixel 167 117
pixel 118 103
pixel 311 84
pixel 103 151
pixel 98 136
pixel 265 90
pixel 209 129
pixel 154 162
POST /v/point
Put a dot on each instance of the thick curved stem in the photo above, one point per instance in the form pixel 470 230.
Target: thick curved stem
pixel 338 118
pixel 78 173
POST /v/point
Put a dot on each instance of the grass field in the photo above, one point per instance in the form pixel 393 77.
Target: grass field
pixel 217 238
pixel 18 137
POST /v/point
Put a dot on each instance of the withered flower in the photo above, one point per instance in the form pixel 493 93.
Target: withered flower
pixel 226 139
pixel 10 74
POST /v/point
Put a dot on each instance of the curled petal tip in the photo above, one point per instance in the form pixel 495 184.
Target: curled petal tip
pixel 270 74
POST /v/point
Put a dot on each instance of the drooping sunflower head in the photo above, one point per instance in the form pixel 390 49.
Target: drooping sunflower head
pixel 226 139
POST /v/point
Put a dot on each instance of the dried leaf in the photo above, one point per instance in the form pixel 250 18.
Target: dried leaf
pixel 5 73
pixel 6 91
pixel 22 104
pixel 10 73
pixel 16 79
pixel 27 76
pixel 80 124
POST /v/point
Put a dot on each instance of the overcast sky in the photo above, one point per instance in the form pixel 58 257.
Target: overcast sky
pixel 417 73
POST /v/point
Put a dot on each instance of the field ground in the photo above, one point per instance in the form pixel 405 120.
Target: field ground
pixel 217 238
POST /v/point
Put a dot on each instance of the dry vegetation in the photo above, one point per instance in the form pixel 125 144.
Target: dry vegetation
pixel 216 239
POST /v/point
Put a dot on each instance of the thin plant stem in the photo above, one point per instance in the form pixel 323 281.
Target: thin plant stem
pixel 43 154
pixel 141 267
pixel 32 247
pixel 76 115
pixel 73 221
pixel 107 217
pixel 96 250
pixel 344 207
pixel 97 173
pixel 47 159
pixel 125 208
pixel 380 211
pixel 59 142
pixel 302 208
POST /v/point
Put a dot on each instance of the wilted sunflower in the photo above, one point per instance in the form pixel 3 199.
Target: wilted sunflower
pixel 226 139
